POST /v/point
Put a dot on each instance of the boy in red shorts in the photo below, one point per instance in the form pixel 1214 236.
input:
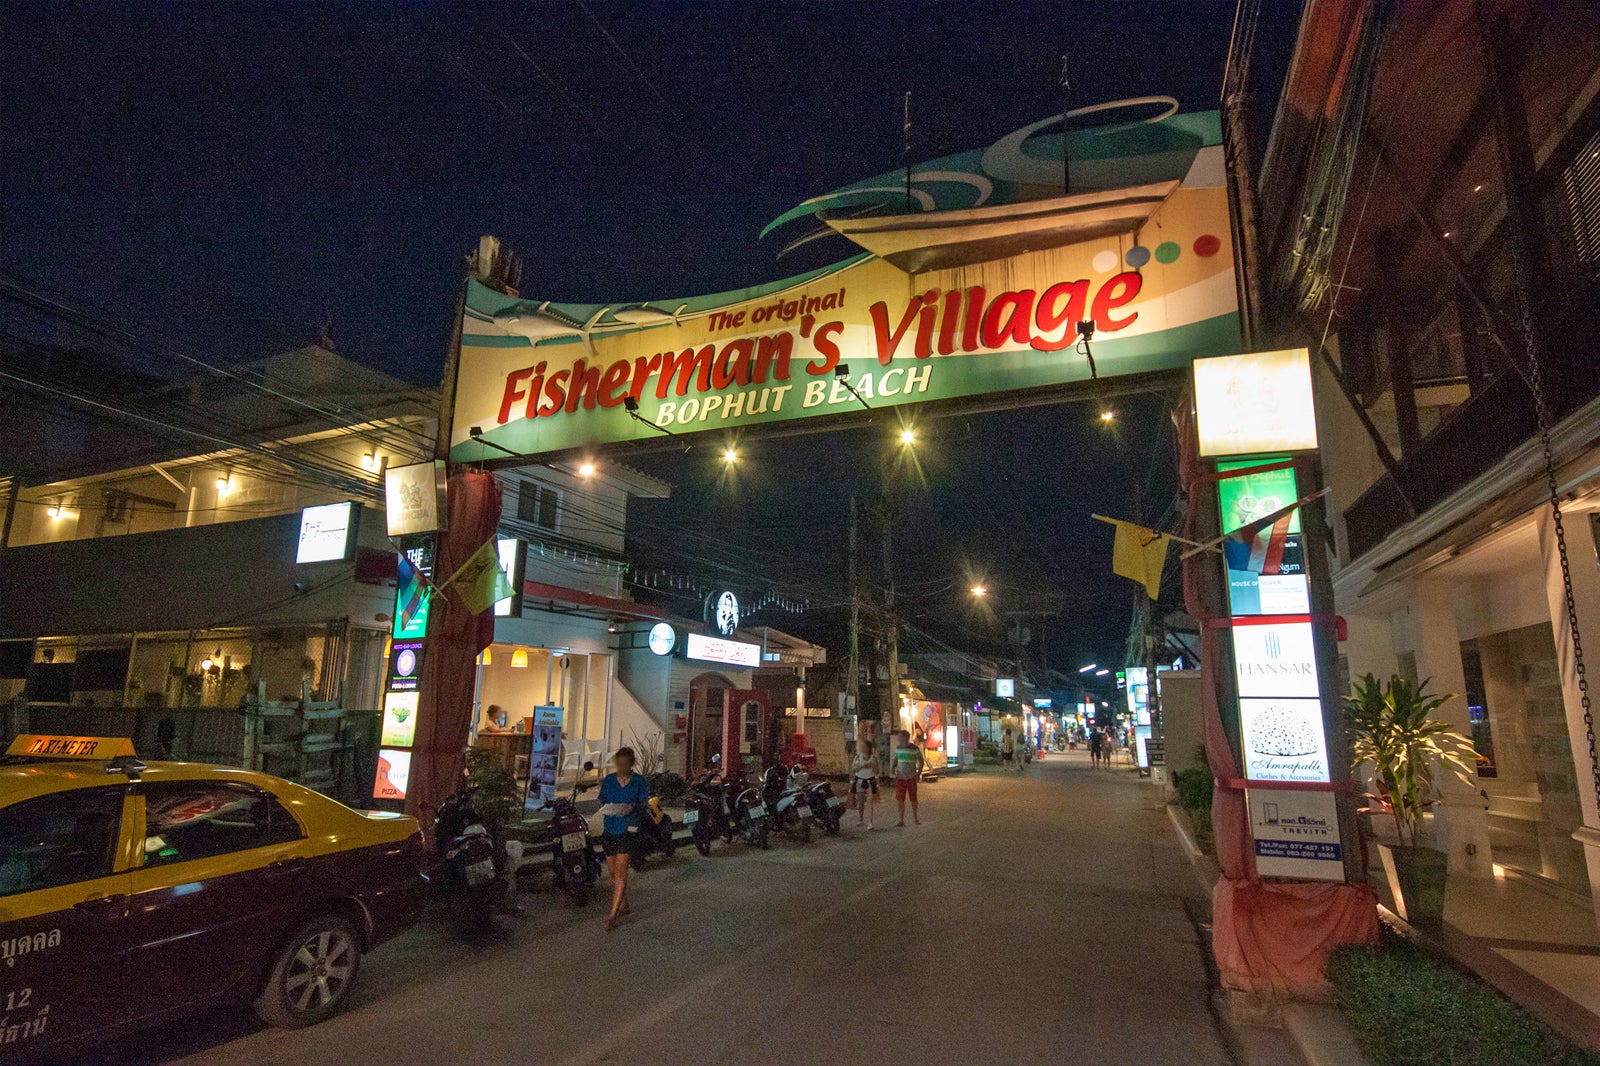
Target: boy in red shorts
pixel 907 768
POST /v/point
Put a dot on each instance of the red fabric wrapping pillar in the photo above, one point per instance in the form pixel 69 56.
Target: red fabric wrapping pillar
pixel 1269 938
pixel 455 637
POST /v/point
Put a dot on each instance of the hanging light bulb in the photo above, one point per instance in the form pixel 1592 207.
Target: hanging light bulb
pixel 488 657
pixel 519 659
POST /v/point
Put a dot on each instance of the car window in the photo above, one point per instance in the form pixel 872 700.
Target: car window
pixel 196 820
pixel 59 839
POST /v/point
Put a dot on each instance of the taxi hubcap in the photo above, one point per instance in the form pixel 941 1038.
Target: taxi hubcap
pixel 318 972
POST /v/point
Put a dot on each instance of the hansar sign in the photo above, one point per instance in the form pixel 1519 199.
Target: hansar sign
pixel 970 297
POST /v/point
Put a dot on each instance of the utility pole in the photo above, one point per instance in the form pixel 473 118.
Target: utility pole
pixel 853 682
pixel 892 621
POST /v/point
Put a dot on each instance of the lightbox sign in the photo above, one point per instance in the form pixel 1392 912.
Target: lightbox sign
pixel 326 533
pixel 718 650
pixel 984 299
pixel 1043 704
pixel 414 498
pixel 662 639
pixel 1006 687
pixel 405 666
pixel 394 774
pixel 1276 660
pixel 1255 403
pixel 1267 571
pixel 400 718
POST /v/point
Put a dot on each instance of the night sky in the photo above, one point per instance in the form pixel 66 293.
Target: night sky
pixel 236 177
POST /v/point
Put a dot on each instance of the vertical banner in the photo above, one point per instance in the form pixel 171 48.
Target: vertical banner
pixel 1257 405
pixel 544 757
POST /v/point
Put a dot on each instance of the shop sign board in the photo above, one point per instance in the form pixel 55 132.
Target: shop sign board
pixel 1005 687
pixel 400 718
pixel 544 758
pixel 662 639
pixel 981 296
pixel 327 532
pixel 1255 403
pixel 394 773
pixel 1296 834
pixel 1283 739
pixel 405 666
pixel 718 650
pixel 414 498
pixel 1267 575
pixel 420 555
pixel 1275 659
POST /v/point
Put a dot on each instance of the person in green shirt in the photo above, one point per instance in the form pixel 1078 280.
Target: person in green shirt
pixel 907 769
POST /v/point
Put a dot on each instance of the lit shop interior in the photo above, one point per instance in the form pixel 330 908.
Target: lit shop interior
pixel 514 680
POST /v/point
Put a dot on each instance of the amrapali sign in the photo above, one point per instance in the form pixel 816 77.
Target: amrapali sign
pixel 978 292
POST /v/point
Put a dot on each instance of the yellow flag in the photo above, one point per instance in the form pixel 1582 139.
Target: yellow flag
pixel 1140 554
pixel 480 581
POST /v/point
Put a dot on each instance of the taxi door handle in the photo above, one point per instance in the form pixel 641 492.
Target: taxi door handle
pixel 284 867
pixel 100 903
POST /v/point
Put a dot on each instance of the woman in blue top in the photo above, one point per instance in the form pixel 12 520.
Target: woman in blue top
pixel 623 795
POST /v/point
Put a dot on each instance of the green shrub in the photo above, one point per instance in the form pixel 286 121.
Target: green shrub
pixel 1409 1008
pixel 1194 787
pixel 495 795
pixel 669 787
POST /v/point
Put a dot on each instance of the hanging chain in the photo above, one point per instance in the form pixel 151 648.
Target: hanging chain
pixel 1536 381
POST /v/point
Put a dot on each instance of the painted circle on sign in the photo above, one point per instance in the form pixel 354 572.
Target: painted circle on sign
pixel 1207 246
pixel 1137 256
pixel 1167 252
pixel 1105 262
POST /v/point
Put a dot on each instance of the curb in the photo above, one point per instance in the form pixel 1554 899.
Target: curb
pixel 1317 1030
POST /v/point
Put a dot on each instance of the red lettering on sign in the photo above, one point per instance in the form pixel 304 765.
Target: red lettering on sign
pixel 513 392
pixel 888 342
pixel 616 376
pixel 1049 318
pixel 826 347
pixel 1017 307
pixel 1115 293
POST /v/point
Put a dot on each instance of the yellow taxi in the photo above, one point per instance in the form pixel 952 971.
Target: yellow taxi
pixel 133 892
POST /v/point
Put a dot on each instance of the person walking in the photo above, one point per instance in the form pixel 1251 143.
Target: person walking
pixel 907 768
pixel 1096 746
pixel 1008 749
pixel 864 783
pixel 623 794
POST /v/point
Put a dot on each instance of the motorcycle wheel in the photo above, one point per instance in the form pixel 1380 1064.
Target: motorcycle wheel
pixel 761 836
pixel 472 911
pixel 832 824
pixel 669 846
pixel 805 833
pixel 702 840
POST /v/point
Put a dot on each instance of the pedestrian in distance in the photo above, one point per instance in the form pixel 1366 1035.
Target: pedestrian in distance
pixel 1008 749
pixel 1096 747
pixel 864 783
pixel 623 794
pixel 907 768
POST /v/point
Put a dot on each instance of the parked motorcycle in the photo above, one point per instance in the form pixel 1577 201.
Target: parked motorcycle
pixel 467 864
pixel 572 859
pixel 748 816
pixel 791 813
pixel 828 808
pixel 705 811
pixel 655 832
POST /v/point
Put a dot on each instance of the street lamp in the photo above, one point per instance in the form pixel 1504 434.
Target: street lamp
pixel 908 436
pixel 586 470
pixel 979 590
pixel 1086 669
pixel 1101 673
pixel 1107 415
pixel 730 456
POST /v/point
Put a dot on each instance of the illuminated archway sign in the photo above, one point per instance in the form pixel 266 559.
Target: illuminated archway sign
pixel 980 291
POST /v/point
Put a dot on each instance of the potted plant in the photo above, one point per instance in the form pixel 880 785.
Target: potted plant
pixel 1403 747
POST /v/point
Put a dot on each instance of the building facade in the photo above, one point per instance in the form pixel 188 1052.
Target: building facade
pixel 1427 217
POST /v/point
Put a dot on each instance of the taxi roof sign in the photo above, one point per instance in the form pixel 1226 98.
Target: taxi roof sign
pixel 39 746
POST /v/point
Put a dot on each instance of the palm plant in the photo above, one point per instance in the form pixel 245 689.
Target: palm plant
pixel 1392 730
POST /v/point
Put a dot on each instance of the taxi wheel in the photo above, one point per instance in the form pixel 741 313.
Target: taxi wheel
pixel 314 971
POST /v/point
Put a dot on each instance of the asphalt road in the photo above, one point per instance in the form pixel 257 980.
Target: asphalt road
pixel 1041 917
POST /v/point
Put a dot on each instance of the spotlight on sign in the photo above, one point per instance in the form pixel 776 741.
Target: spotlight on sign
pixel 730 456
pixel 1108 415
pixel 979 590
pixel 586 470
pixel 908 436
